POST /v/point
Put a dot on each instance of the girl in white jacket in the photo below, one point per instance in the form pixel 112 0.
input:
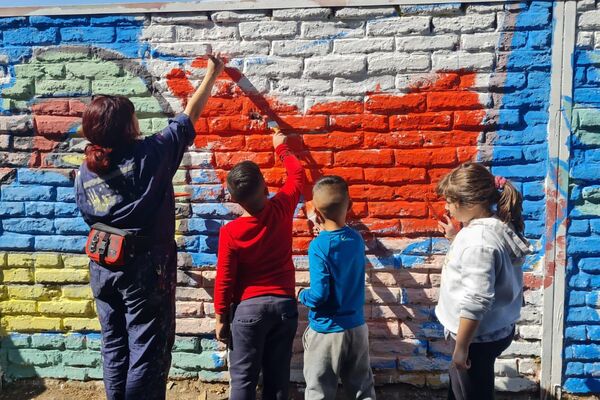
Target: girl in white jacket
pixel 482 280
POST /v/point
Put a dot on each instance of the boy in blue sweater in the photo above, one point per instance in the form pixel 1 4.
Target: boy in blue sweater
pixel 336 342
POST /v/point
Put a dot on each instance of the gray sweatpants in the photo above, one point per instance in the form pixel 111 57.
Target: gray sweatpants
pixel 329 357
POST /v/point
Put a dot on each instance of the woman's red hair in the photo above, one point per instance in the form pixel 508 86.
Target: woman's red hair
pixel 108 125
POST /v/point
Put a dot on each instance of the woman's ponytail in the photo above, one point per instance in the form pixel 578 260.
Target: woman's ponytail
pixel 510 205
pixel 97 158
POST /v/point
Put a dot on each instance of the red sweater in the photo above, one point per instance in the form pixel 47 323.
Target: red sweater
pixel 255 253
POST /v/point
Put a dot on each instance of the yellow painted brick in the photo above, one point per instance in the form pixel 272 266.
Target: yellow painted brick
pixel 65 307
pixel 33 292
pixel 19 260
pixel 48 260
pixel 82 324
pixel 2 259
pixel 18 275
pixel 77 292
pixel 3 292
pixel 75 261
pixel 17 307
pixel 20 324
pixel 61 276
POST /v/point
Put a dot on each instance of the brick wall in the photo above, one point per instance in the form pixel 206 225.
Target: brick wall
pixel 391 98
pixel 582 333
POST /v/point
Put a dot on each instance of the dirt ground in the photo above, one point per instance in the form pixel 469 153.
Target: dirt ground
pixel 49 389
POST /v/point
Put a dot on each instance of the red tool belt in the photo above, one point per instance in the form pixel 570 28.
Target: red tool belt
pixel 112 247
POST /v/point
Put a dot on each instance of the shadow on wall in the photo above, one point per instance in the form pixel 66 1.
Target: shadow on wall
pixel 11 347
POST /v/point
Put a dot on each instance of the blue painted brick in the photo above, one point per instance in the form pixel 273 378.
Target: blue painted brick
pixel 66 226
pixel 128 50
pixel 17 53
pixel 592 369
pixel 583 314
pixel 43 177
pixel 12 22
pixel 207 192
pixel 40 20
pixel 587 96
pixel 534 98
pixel 533 209
pixel 595 226
pixel 117 20
pixel 593 332
pixel 529 135
pixel 579 227
pixel 533 190
pixel 591 299
pixel 88 34
pixel 538 79
pixel 66 210
pixel 576 333
pixel 583 57
pixel 16 341
pixel 65 194
pixel 576 192
pixel 582 385
pixel 47 341
pixel 593 75
pixel 202 259
pixel 580 77
pixel 521 171
pixel 39 209
pixel 27 193
pixel 16 241
pixel 539 39
pixel 528 59
pixel 535 152
pixel 203 226
pixel 574 369
pixel 201 176
pixel 27 225
pixel 208 244
pixel 534 229
pixel 93 341
pixel 533 18
pixel 128 34
pixel 30 36
pixel 10 209
pixel 73 244
pixel 584 245
pixel 212 210
pixel 507 154
pixel 591 265
pixel 189 243
pixel 533 118
pixel 582 352
pixel 508 119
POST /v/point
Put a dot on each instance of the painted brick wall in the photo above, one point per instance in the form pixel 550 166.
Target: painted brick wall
pixel 389 97
pixel 582 332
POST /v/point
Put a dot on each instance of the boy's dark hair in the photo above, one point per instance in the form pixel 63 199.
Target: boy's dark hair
pixel 337 196
pixel 243 181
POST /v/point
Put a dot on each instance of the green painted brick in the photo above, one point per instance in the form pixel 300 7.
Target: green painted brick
pixel 81 358
pixel 62 55
pixel 64 87
pixel 588 118
pixel 93 342
pixel 177 373
pixel 211 344
pixel 213 376
pixel 128 86
pixel 158 124
pixel 186 344
pixel 22 89
pixel 589 138
pixel 92 69
pixel 34 357
pixel 31 70
pixel 53 372
pixel 146 126
pixel 95 373
pixel 55 70
pixel 198 361
pixel 47 341
pixel 146 105
pixel 76 374
pixel 74 341
pixel 20 372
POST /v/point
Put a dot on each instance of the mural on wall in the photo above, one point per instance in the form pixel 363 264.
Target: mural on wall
pixel 389 98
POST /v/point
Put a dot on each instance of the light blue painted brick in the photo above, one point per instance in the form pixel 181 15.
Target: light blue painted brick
pixel 575 333
pixel 18 53
pixel 34 357
pixel 528 59
pixel 593 75
pixel 189 344
pixel 204 226
pixel 533 190
pixel 213 376
pixel 95 373
pixel 43 177
pixel 27 225
pixel 574 369
pixel 76 374
pixel 93 341
pixel 507 154
pixel 202 259
pixel 593 332
pixel 206 192
pixel 81 358
pixel 178 373
pixel 28 193
pixel 39 20
pixel 582 385
pixel 583 314
pixel 16 241
pixel 66 210
pixel 47 341
pixel 66 226
pixel 30 36
pixel 87 34
pixel 210 344
pixel 208 244
pixel 70 244
pixel 539 39
pixel 595 226
pixel 74 341
pixel 12 22
pixel 203 176
pixel 533 209
pixel 579 227
pixel 39 209
pixel 576 298
pixel 189 244
pixel 65 194
pixel 11 209
pixel 591 265
pixel 16 340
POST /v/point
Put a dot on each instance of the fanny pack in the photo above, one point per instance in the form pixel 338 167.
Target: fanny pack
pixel 113 247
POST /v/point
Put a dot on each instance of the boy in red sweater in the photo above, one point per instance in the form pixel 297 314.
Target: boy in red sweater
pixel 255 272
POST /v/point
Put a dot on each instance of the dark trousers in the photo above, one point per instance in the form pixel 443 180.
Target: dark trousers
pixel 262 333
pixel 136 308
pixel 477 382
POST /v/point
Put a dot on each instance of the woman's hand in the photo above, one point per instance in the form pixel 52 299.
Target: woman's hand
pixel 460 358
pixel 448 228
pixel 278 139
pixel 215 65
pixel 222 328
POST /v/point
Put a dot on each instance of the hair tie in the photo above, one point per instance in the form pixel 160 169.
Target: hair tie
pixel 500 181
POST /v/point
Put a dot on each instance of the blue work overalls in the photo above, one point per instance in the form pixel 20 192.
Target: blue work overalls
pixel 136 303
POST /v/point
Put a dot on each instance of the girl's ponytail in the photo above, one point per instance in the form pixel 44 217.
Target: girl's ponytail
pixel 510 204
pixel 97 158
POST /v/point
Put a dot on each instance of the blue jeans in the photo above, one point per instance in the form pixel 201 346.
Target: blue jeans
pixel 262 333
pixel 136 308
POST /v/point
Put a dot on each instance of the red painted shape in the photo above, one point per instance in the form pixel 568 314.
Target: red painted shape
pixel 392 148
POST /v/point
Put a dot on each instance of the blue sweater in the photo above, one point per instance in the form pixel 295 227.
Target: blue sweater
pixel 336 296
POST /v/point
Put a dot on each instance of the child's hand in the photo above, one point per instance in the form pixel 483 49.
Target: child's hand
pixel 222 331
pixel 448 228
pixel 278 139
pixel 215 65
pixel 460 358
